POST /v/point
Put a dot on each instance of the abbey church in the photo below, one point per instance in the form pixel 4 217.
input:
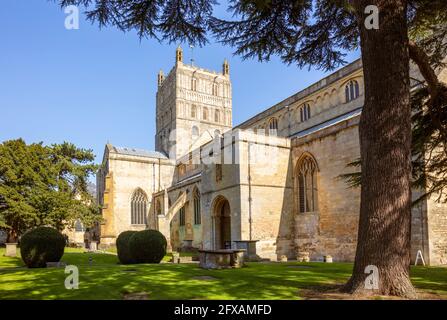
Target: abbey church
pixel 270 184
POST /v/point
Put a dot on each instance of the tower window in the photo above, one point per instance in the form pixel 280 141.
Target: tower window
pixel 139 207
pixel 217 116
pixel 205 113
pixel 194 84
pixel 352 91
pixel 193 111
pixel 215 89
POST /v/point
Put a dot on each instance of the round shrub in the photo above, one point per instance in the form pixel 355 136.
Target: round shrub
pixel 122 246
pixel 148 246
pixel 41 245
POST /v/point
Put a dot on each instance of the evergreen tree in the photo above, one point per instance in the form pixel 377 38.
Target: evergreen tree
pixel 42 185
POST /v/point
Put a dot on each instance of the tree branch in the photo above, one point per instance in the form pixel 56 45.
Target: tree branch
pixel 423 62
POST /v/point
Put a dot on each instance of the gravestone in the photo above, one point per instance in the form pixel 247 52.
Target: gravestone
pixel 11 250
pixel 94 246
pixel 303 256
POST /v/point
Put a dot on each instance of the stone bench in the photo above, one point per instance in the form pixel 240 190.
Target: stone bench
pixel 221 259
pixel 176 258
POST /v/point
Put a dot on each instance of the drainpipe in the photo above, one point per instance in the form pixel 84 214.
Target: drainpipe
pixel 249 192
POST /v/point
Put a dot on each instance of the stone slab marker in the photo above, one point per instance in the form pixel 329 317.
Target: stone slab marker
pixel 94 246
pixel 11 250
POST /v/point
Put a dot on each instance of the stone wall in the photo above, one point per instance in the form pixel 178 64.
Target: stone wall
pixel 332 229
pixel 437 231
pixel 190 232
pixel 125 174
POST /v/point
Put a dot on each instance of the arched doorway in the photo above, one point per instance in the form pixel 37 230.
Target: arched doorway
pixel 222 224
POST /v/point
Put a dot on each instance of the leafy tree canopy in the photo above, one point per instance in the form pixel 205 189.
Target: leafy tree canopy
pixel 44 185
pixel 304 32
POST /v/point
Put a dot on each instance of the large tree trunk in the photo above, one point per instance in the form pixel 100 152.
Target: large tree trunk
pixel 385 145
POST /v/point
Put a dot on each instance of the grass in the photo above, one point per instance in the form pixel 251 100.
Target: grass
pixel 104 278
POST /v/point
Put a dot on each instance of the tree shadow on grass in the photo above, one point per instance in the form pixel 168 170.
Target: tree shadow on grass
pixel 164 281
pixel 430 279
pixel 105 279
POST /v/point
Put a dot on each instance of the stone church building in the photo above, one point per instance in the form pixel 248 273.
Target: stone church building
pixel 272 182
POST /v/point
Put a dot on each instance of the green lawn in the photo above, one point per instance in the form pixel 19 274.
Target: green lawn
pixel 104 278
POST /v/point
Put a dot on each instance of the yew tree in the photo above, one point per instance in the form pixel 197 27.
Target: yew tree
pixel 319 33
pixel 44 186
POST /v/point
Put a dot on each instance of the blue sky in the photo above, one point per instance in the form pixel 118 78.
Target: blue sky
pixel 91 86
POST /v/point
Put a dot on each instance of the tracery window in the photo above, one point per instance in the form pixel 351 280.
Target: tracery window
pixel 307 185
pixel 139 204
pixel 197 215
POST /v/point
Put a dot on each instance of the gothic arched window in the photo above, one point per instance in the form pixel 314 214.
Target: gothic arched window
pixel 197 215
pixel 139 205
pixel 193 111
pixel 205 113
pixel 307 185
pixel 182 216
pixel 352 90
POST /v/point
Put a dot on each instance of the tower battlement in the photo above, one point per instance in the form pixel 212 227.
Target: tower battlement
pixel 193 104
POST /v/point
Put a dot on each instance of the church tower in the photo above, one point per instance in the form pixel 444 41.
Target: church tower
pixel 193 106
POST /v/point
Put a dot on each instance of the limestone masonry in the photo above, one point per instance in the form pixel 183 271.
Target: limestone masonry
pixel 270 185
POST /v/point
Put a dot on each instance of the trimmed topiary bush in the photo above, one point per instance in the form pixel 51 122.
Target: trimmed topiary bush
pixel 41 245
pixel 148 246
pixel 122 247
